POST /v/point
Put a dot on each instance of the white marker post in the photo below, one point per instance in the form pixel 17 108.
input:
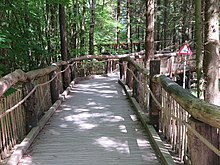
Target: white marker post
pixel 184 72
pixel 185 50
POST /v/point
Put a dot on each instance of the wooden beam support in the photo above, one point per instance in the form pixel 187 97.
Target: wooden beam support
pixel 154 109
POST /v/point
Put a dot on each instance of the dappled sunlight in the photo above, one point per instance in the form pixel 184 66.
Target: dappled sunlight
pixel 84 92
pixel 143 143
pixel 81 120
pixel 80 110
pixel 105 86
pixel 85 126
pixel 67 109
pixel 112 144
pixel 113 119
pixel 95 123
pixel 85 119
pixel 98 108
pixel 92 103
pixel 133 117
pixel 122 128
pixel 164 150
pixel 54 132
pixel 63 125
pixel 107 96
pixel 108 91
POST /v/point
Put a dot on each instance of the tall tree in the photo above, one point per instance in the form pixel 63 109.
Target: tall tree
pixel 211 48
pixel 82 27
pixel 184 21
pixel 165 24
pixel 198 44
pixel 92 27
pixel 74 25
pixel 157 30
pixel 118 20
pixel 149 39
pixel 63 33
pixel 129 23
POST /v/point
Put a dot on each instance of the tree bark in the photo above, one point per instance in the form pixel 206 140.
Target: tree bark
pixel 185 36
pixel 118 21
pixel 165 24
pixel 82 29
pixel 75 15
pixel 158 35
pixel 129 24
pixel 211 56
pixel 149 37
pixel 92 28
pixel 199 45
pixel 63 33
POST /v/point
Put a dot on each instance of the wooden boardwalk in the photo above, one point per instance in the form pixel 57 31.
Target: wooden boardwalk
pixel 95 125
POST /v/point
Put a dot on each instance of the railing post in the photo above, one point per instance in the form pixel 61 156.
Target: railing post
pixel 199 153
pixel 121 68
pixel 154 109
pixel 81 72
pixel 66 77
pixel 30 106
pixel 109 66
pixel 129 75
pixel 136 85
pixel 54 87
pixel 73 72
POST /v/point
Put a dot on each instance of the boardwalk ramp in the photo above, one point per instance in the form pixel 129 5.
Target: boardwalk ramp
pixel 94 125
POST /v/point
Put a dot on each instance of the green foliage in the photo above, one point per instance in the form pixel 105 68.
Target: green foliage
pixel 4 41
pixel 9 91
pixel 29 30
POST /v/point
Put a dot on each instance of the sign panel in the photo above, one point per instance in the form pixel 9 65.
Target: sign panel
pixel 185 50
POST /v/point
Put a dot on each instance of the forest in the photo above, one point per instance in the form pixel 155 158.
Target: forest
pixel 34 34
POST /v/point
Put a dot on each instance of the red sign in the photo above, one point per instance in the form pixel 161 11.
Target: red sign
pixel 185 50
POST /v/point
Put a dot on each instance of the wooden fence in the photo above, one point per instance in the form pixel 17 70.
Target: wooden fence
pixel 26 97
pixel 189 125
pixel 185 122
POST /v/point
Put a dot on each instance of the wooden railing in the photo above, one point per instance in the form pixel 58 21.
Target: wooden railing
pixel 26 97
pixel 169 107
pixel 189 125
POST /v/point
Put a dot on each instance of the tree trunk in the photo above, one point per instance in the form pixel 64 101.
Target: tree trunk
pixel 118 21
pixel 82 28
pixel 165 24
pixel 92 28
pixel 75 15
pixel 174 37
pixel 158 35
pixel 129 24
pixel 63 33
pixel 149 38
pixel 211 56
pixel 199 45
pixel 184 23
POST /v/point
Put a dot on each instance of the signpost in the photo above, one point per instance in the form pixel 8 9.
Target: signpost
pixel 185 50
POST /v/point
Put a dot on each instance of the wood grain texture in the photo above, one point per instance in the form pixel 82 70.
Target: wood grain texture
pixel 94 125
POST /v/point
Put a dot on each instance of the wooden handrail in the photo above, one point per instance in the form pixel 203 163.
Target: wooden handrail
pixel 20 76
pixel 103 57
pixel 199 109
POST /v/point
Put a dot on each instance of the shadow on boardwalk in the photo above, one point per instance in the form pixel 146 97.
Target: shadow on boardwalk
pixel 95 125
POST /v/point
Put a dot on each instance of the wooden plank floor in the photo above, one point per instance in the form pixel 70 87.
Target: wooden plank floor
pixel 95 125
